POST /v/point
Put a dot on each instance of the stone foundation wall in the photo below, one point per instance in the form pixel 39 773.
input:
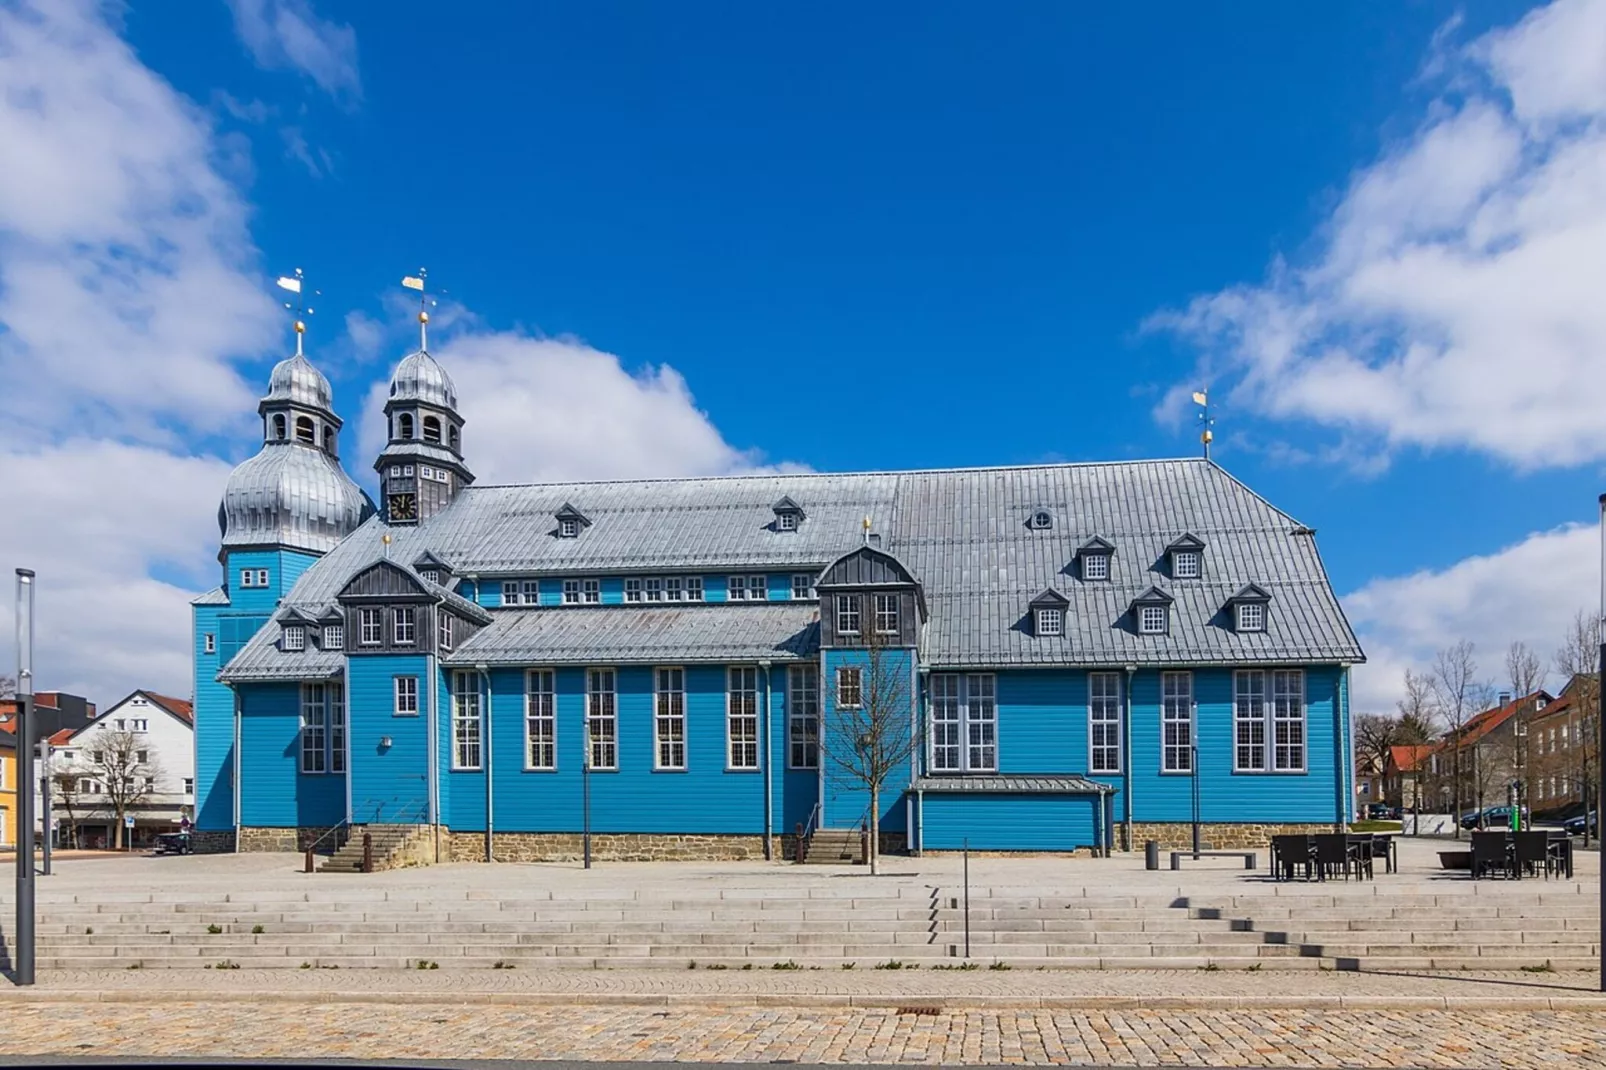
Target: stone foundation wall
pixel 212 841
pixel 1219 836
pixel 608 847
pixel 264 839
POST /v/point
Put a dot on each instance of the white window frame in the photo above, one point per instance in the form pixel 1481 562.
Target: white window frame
pixel 1176 721
pixel 669 720
pixel 530 592
pixel 674 589
pixel 591 592
pixel 262 577
pixel 248 577
pixel 1154 619
pixel 736 589
pixel 370 622
pixel 467 722
pixel 568 527
pixel 510 592
pixel 849 687
pixel 189 785
pixel 1249 705
pixel 1105 712
pixel 430 575
pixel 541 720
pixel 653 588
pixel 571 592
pixel 1096 567
pixel 295 637
pixel 633 589
pixel 803 716
pixel 742 696
pixel 1290 737
pixel 405 689
pixel 802 586
pixel 849 614
pixel 403 625
pixel 964 723
pixel 315 728
pixel 887 613
pixel 786 521
pixel 209 643
pixel 337 727
pixel 694 588
pixel 445 626
pixel 602 719
pixel 1251 616
pixel 1050 623
pixel 758 588
pixel 334 636
pixel 1187 564
pixel 407 470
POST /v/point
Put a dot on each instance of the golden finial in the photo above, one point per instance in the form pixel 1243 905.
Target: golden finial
pixel 416 282
pixel 1201 398
pixel 296 284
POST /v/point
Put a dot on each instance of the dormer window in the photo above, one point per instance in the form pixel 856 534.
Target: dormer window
pixel 1093 559
pixel 788 515
pixel 1041 520
pixel 570 522
pixel 1187 558
pixel 334 636
pixel 429 575
pixel 1251 616
pixel 1153 620
pixel 1050 622
pixel 295 637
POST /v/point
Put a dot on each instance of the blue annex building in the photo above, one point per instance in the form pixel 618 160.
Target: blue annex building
pixel 1080 652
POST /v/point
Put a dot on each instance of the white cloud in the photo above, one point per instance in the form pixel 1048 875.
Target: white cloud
pixel 288 34
pixel 1528 591
pixel 1453 298
pixel 541 409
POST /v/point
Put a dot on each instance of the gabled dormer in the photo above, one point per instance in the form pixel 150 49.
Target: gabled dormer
pixel 1093 559
pixel 1151 612
pixel 433 569
pixel 388 609
pixel 789 515
pixel 1048 614
pixel 1185 558
pixel 571 522
pixel 868 598
pixel 1248 609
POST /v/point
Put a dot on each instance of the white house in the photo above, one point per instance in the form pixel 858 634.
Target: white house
pixel 163 730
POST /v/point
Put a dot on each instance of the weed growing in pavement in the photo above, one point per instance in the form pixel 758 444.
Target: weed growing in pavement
pixel 787 965
pixel 214 929
pixel 1210 967
pixel 719 966
pixel 1253 969
pixel 890 964
pixel 89 930
pixel 849 965
pixel 747 965
pixel 959 966
pixel 257 930
pixel 499 964
pixel 306 965
pixel 136 966
pixel 425 964
pixel 1543 967
pixel 692 965
pixel 1000 966
pixel 226 964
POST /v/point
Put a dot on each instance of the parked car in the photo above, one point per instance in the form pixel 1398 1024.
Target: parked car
pixel 1382 812
pixel 1575 825
pixel 1493 817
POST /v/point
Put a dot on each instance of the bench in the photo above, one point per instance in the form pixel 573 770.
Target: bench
pixel 1178 856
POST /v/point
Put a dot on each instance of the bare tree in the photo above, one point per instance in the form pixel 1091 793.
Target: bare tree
pixel 8 686
pixel 1376 734
pixel 1417 709
pixel 1458 696
pixel 1524 670
pixel 64 785
pixel 872 728
pixel 1578 658
pixel 120 761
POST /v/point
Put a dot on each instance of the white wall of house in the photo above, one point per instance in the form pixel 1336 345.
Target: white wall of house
pixel 170 741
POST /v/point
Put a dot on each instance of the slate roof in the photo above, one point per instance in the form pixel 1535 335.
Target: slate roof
pixel 610 635
pixel 962 533
pixel 1033 784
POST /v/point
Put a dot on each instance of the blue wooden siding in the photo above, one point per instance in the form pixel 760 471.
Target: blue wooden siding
pixel 274 793
pixel 214 729
pixel 1009 822
pixel 1042 721
pixel 388 783
pixel 846 802
pixel 284 568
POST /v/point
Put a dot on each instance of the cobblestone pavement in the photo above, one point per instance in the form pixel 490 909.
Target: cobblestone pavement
pixel 1287 1038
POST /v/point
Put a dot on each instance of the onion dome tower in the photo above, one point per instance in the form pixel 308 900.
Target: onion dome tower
pixel 421 468
pixel 293 495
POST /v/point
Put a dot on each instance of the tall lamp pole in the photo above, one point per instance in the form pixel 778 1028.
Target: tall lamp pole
pixel 585 793
pixel 23 964
pixel 1600 728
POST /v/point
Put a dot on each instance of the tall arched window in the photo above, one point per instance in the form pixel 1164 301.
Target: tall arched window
pixel 278 426
pixel 404 424
pixel 432 429
pixel 304 430
pixel 453 432
pixel 328 439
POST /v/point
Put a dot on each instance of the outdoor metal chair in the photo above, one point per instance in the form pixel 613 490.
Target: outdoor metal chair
pixel 1289 853
pixel 1491 852
pixel 1532 853
pixel 1333 854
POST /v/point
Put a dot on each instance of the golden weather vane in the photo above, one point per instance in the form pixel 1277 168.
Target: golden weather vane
pixel 425 303
pixel 296 284
pixel 1201 398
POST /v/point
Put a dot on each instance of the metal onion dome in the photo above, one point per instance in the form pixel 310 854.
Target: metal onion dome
pixel 291 495
pixel 419 377
pixel 295 380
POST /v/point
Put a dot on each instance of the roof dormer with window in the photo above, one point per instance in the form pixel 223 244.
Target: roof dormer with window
pixel 1151 612
pixel 1185 558
pixel 571 522
pixel 1093 559
pixel 1048 614
pixel 789 516
pixel 1248 609
pixel 1040 520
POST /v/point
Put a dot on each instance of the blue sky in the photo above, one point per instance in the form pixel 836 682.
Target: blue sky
pixel 1017 234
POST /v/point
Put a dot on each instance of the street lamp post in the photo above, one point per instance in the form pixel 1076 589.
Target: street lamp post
pixel 585 794
pixel 23 963
pixel 1600 728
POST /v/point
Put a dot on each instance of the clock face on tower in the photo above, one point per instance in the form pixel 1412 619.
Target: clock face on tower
pixel 403 507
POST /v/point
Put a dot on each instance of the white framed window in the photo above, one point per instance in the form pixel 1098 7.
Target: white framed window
pixel 1176 722
pixel 209 643
pixel 694 588
pixel 407 470
pixel 395 471
pixel 334 636
pixel 445 626
pixel 323 728
pixel 850 687
pixel 654 588
pixel 785 521
pixel 886 614
pixel 669 719
pixel 1248 721
pixel 1186 564
pixel 510 592
pixel 248 577
pixel 964 723
pixel 1251 616
pixel 741 718
pixel 262 577
pixel 466 724
pixel 406 688
pixel 530 592
pixel 1288 721
pixel 803 716
pixel 1104 722
pixel 632 589
pixel 1095 566
pixel 1050 621
pixel 847 614
pixel 802 586
pixel 402 630
pixel 1153 620
pixel 371 627
pixel 430 575
pixel 540 719
pixel 736 589
pixel 674 589
pixel 591 592
pixel 571 592
pixel 758 588
pixel 602 718
pixel 568 527
pixel 295 637
pixel 189 785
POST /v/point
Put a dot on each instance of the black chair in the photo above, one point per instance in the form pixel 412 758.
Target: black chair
pixel 1561 853
pixel 1531 852
pixel 1383 847
pixel 1490 853
pixel 1333 854
pixel 1361 854
pixel 1289 853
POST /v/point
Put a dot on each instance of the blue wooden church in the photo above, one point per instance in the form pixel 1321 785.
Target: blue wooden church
pixel 1036 658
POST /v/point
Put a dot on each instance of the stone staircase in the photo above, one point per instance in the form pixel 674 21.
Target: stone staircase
pixel 832 847
pixel 394 846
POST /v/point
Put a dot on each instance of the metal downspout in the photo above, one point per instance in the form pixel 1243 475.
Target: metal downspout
pixel 490 766
pixel 239 788
pixel 345 743
pixel 922 756
pixel 769 761
pixel 1126 764
pixel 432 751
pixel 1341 748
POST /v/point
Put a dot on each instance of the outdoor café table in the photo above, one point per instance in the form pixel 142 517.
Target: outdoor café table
pixel 1561 849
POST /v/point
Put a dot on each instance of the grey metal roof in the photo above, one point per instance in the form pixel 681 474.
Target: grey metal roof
pixel 291 494
pixel 1036 784
pixel 613 635
pixel 215 597
pixel 298 382
pixel 962 533
pixel 261 660
pixel 419 377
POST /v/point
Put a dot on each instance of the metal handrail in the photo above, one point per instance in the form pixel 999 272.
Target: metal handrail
pixel 344 823
pixel 415 813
